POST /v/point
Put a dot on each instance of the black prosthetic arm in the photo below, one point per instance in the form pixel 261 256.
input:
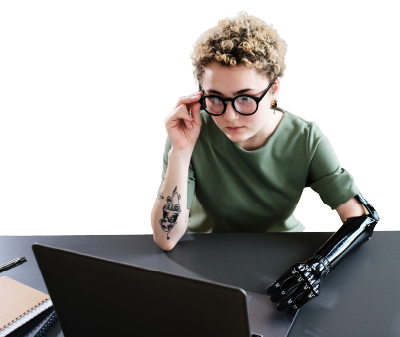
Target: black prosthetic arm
pixel 302 281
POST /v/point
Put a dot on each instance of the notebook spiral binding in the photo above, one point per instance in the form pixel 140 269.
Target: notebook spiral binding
pixel 45 329
pixel 26 316
pixel 26 313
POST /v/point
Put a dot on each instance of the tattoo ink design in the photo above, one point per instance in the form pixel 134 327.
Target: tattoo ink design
pixel 170 213
pixel 160 196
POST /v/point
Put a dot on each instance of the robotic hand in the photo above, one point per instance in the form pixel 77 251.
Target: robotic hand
pixel 302 282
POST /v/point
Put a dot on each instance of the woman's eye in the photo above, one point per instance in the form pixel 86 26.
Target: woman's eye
pixel 244 99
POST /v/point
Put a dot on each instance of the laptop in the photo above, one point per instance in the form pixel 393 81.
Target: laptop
pixel 98 297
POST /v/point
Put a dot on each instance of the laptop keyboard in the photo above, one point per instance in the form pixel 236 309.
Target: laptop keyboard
pixel 249 296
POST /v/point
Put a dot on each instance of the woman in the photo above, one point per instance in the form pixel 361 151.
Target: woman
pixel 240 163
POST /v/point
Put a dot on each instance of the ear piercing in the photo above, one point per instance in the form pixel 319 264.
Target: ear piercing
pixel 274 104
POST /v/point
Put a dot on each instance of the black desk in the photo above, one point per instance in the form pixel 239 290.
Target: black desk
pixel 359 298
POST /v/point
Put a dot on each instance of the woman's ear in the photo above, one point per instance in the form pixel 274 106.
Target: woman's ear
pixel 277 84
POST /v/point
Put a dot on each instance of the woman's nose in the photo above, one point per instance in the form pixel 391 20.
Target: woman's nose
pixel 230 112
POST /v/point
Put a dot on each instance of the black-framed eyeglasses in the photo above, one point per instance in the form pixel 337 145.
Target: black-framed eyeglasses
pixel 245 105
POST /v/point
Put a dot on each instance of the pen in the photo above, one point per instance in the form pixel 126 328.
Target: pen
pixel 12 262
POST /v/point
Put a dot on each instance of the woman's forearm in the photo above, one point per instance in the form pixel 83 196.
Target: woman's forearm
pixel 169 216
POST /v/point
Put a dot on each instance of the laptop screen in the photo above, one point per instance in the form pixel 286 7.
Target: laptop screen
pixel 96 296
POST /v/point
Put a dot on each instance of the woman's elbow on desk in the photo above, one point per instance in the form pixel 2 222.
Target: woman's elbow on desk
pixel 163 242
pixel 168 233
pixel 165 247
pixel 169 248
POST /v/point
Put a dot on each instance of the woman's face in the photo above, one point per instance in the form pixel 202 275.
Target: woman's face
pixel 228 81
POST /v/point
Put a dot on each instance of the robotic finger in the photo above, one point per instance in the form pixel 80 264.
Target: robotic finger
pixel 277 285
pixel 300 296
pixel 287 287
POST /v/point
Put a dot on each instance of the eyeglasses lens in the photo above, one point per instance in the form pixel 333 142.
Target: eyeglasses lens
pixel 244 104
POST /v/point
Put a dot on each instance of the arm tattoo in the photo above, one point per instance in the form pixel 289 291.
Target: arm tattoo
pixel 160 196
pixel 170 213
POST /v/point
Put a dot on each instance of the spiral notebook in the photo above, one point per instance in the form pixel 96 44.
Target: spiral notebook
pixel 19 303
pixel 45 325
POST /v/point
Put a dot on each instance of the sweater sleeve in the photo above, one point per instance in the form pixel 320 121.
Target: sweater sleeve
pixel 191 177
pixel 334 184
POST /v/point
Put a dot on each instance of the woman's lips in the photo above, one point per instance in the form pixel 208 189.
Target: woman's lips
pixel 236 129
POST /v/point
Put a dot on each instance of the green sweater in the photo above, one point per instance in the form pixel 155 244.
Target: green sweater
pixel 234 190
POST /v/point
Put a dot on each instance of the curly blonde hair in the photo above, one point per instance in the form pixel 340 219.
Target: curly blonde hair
pixel 243 40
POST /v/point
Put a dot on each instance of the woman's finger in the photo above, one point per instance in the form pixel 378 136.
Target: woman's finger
pixel 182 112
pixel 188 100
pixel 196 109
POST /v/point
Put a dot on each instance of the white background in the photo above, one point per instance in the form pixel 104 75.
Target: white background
pixel 85 87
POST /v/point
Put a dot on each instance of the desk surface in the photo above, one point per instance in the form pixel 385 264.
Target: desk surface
pixel 359 298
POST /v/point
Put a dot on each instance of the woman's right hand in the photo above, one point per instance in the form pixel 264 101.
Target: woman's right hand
pixel 182 129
